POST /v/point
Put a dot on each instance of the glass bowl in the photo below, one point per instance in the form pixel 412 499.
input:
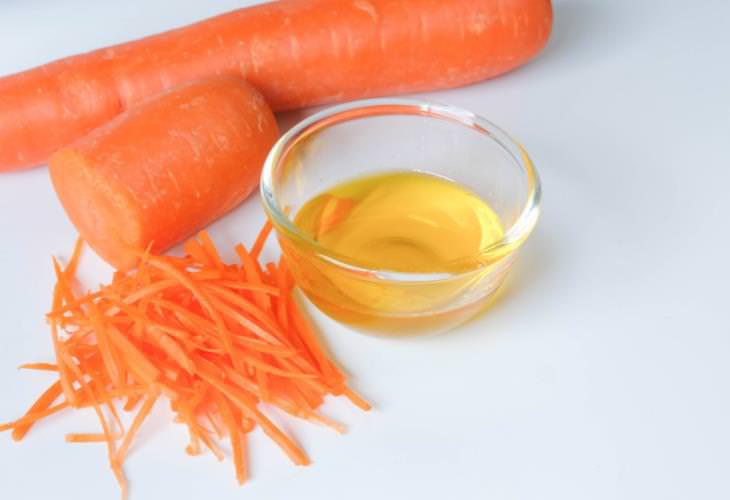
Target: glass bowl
pixel 381 135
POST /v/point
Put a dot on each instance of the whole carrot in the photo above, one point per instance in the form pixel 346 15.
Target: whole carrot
pixel 296 52
pixel 165 168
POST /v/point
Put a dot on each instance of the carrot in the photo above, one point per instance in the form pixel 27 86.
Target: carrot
pixel 23 424
pixel 356 399
pixel 64 377
pixel 258 245
pixel 230 417
pixel 47 367
pixel 88 437
pixel 210 250
pixel 284 288
pixel 164 168
pixel 253 274
pixel 194 330
pixel 141 415
pixel 297 53
pixel 43 403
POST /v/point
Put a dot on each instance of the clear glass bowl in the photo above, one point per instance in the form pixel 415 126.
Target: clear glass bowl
pixel 378 135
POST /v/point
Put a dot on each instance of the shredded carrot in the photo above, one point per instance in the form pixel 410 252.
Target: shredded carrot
pixel 105 348
pixel 261 239
pixel 356 399
pixel 45 367
pixel 64 377
pixel 196 251
pixel 237 285
pixel 73 262
pixel 231 418
pixel 253 274
pixel 305 333
pixel 216 339
pixel 43 403
pixel 89 437
pixel 282 283
pixel 211 250
pixel 141 415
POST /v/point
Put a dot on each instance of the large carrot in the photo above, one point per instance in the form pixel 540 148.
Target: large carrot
pixel 296 52
pixel 165 168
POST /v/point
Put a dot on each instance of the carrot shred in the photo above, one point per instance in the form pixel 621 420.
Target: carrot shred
pixel 263 382
pixel 258 245
pixel 282 283
pixel 43 403
pixel 295 453
pixel 249 287
pixel 193 248
pixel 131 402
pixel 200 297
pixel 64 376
pixel 253 275
pixel 73 262
pixel 105 348
pixel 44 367
pixel 310 341
pixel 247 308
pixel 210 249
pixel 356 399
pixel 89 437
pixel 235 435
pixel 136 424
pixel 222 342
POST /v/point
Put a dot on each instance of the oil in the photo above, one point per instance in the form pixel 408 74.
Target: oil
pixel 396 222
pixel 401 221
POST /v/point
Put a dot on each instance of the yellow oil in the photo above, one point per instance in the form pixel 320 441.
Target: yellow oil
pixel 406 222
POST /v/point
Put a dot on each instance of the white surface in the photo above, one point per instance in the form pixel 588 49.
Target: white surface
pixel 602 373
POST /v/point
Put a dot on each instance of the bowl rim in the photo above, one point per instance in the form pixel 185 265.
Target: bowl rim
pixel 513 237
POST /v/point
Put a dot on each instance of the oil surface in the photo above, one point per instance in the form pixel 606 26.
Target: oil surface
pixel 402 221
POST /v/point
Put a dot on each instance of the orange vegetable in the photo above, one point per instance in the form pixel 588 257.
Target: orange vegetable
pixel 297 53
pixel 47 367
pixel 165 168
pixel 210 337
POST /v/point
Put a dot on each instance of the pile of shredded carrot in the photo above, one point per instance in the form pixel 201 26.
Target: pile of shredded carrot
pixel 215 339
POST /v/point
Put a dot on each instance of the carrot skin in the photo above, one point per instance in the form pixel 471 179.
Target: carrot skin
pixel 297 53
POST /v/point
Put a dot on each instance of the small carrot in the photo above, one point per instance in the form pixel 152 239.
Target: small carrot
pixel 165 167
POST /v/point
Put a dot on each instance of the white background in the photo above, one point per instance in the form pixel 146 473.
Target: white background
pixel 603 371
